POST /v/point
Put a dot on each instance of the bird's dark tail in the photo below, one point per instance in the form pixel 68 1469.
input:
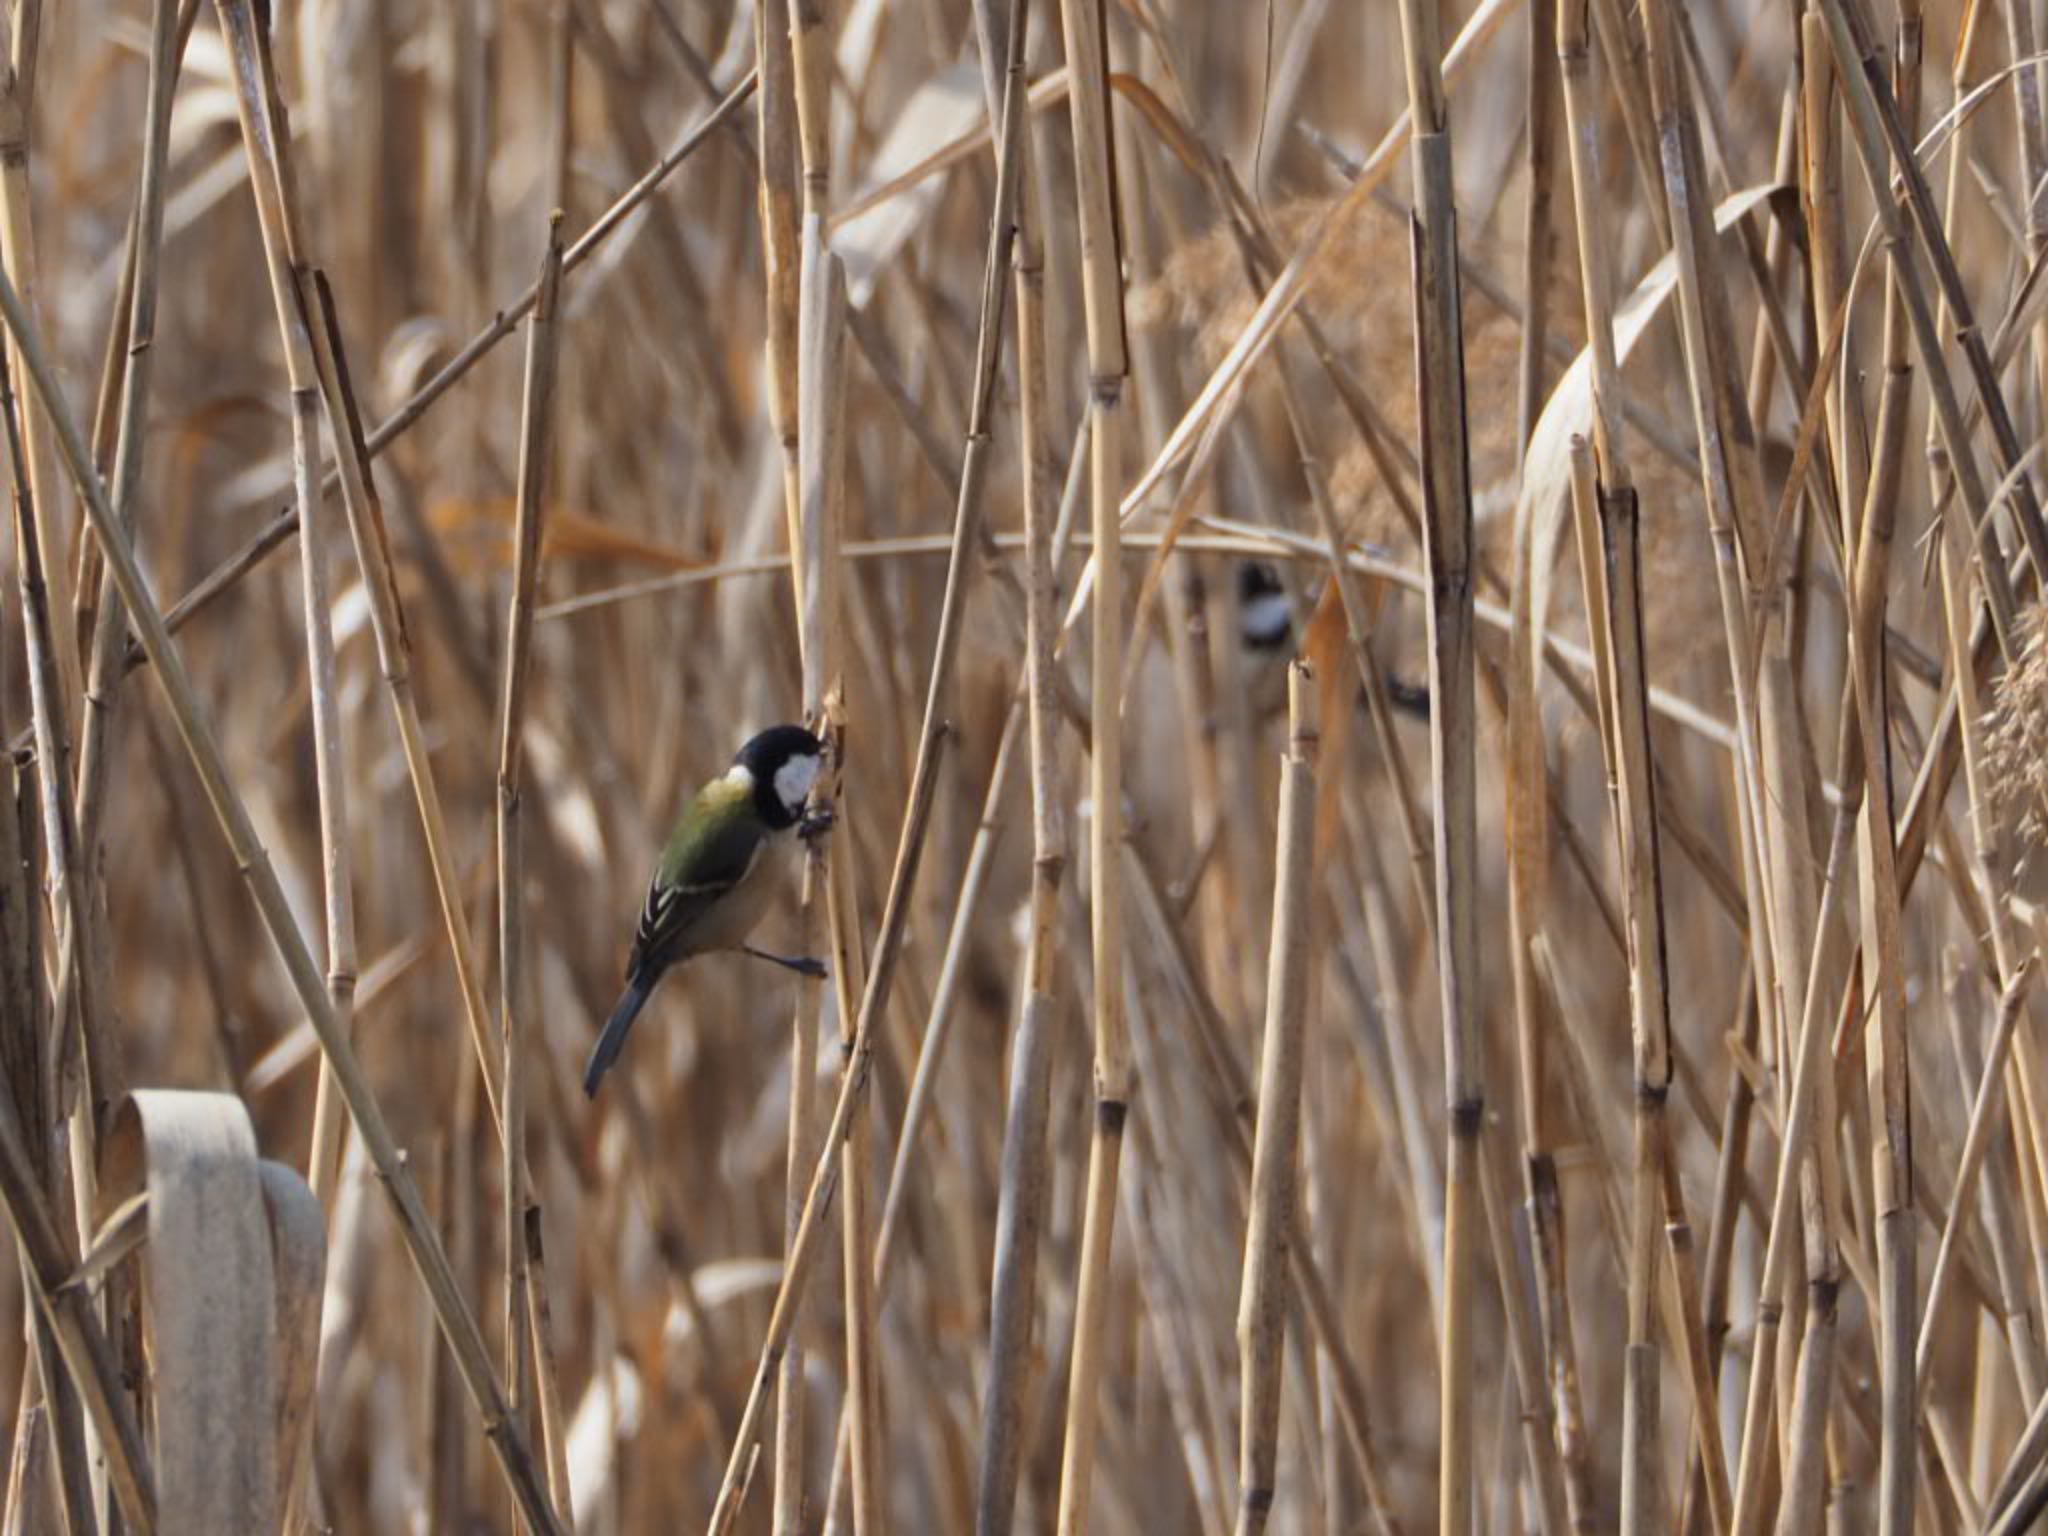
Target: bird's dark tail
pixel 616 1028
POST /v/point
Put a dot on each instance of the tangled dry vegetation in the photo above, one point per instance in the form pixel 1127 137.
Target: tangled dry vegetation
pixel 1566 1055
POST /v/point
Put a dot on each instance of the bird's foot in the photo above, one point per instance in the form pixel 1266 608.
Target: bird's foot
pixel 803 965
pixel 815 823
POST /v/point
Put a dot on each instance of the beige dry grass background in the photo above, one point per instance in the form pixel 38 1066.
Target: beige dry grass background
pixel 1565 1057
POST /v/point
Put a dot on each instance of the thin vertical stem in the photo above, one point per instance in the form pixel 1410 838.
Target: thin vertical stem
pixel 1026 1165
pixel 1447 508
pixel 530 520
pixel 1083 25
pixel 1269 1224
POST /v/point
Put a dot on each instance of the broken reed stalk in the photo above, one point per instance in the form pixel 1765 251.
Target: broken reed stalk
pixel 1084 29
pixel 524 1350
pixel 1447 507
pixel 1643 907
pixel 458 1325
pixel 1598 474
pixel 1608 522
pixel 1276 1150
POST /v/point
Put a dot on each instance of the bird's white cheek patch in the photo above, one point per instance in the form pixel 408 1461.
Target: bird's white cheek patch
pixel 793 781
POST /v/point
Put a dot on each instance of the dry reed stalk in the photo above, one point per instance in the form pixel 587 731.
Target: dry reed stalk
pixel 855 1075
pixel 1983 1124
pixel 87 1353
pixel 1881 131
pixel 1026 1170
pixel 1593 488
pixel 32 1073
pixel 302 304
pixel 67 1327
pixel 554 1430
pixel 1808 1342
pixel 1569 1487
pixel 1236 1107
pixel 324 1155
pixel 229 573
pixel 781 258
pixel 1447 506
pixel 459 1327
pixel 18 251
pixel 524 1348
pixel 1538 239
pixel 1869 536
pixel 1276 1151
pixel 2008 959
pixel 338 900
pixel 1756 623
pixel 1962 731
pixel 87 1060
pixel 38 1419
pixel 1084 30
pixel 1643 904
pixel 820 372
pixel 83 963
pixel 51 736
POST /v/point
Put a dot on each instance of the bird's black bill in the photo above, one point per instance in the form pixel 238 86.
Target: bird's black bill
pixel 616 1028
pixel 802 965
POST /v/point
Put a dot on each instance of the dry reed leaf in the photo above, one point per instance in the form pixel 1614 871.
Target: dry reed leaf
pixel 231 1275
pixel 478 534
pixel 1326 645
pixel 608 1414
pixel 1546 469
pixel 940 110
pixel 1540 514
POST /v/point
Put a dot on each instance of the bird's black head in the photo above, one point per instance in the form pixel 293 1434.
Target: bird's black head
pixel 1265 611
pixel 783 762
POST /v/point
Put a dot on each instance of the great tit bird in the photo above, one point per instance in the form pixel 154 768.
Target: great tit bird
pixel 718 872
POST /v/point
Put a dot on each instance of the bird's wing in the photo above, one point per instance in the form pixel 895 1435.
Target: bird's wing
pixel 707 857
